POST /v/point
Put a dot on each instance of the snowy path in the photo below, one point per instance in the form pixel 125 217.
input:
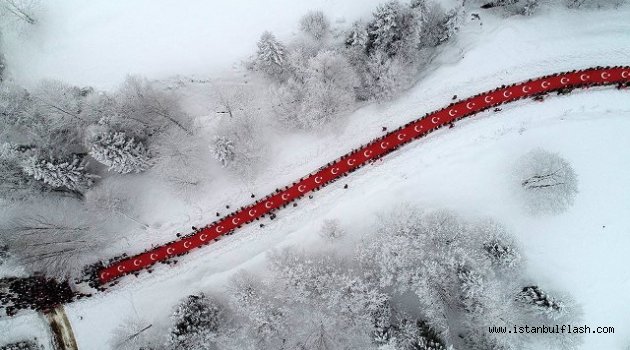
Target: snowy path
pixel 365 155
pixel 63 337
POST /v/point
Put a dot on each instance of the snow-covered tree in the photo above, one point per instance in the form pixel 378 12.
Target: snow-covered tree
pixel 195 323
pixel 331 230
pixel 15 184
pixel 120 153
pixel 271 56
pixel 142 110
pixel 595 3
pixel 324 89
pixel 132 334
pixel 55 237
pixel 239 144
pixel 263 322
pixel 223 150
pixel 541 301
pixel 4 251
pixel 437 26
pixel 548 183
pixel 315 24
pixel 66 174
pixel 22 345
pixel 383 77
pixel 3 65
pixel 19 10
pixel 392 30
pixel 419 335
pixel 499 245
pixel 514 7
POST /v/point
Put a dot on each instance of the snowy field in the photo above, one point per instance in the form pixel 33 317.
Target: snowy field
pixel 467 168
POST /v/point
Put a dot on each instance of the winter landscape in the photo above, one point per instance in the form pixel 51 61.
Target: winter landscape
pixel 276 174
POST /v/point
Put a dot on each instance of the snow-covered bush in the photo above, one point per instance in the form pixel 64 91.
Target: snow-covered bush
pixel 547 182
pixel 65 174
pixel 120 153
pixel 196 321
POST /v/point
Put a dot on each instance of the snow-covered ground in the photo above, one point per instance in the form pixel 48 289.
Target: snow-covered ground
pixel 467 168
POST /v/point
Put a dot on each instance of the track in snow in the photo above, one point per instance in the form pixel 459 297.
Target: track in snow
pixel 364 155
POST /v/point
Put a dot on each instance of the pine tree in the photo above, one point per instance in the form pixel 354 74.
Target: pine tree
pixel 271 56
pixel 224 150
pixel 120 153
pixel 543 302
pixel 69 174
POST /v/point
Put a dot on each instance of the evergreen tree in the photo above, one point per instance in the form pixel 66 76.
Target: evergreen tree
pixel 224 150
pixel 271 56
pixel 69 174
pixel 543 302
pixel 120 153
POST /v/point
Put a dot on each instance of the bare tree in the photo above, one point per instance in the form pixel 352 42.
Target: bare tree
pixel 548 183
pixel 54 237
pixel 315 24
pixel 132 334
